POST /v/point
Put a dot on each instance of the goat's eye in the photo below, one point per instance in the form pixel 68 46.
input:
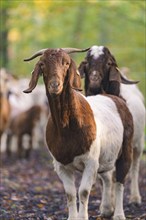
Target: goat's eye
pixel 64 63
pixel 109 63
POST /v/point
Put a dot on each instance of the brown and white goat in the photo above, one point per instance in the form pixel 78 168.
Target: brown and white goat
pixel 23 124
pixel 103 76
pixel 88 134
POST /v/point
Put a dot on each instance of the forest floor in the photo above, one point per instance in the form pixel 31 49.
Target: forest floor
pixel 31 190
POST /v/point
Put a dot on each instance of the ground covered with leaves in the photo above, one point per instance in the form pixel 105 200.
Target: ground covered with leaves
pixel 31 190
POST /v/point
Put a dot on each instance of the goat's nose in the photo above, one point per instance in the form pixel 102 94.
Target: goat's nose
pixel 54 84
pixel 94 73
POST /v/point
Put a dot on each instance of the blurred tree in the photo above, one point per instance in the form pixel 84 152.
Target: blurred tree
pixel 4 37
pixel 78 24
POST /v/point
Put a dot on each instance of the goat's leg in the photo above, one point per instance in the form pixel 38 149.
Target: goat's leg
pixel 122 168
pixel 106 207
pixel 67 177
pixel 20 147
pixel 8 144
pixel 134 172
pixel 87 181
pixel 27 151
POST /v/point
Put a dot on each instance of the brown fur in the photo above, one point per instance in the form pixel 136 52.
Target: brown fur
pixel 71 126
pixel 71 120
pixel 107 77
pixel 23 124
pixel 71 136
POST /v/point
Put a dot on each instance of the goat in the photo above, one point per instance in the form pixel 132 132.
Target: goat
pixel 4 113
pixel 5 107
pixel 20 125
pixel 87 134
pixel 102 76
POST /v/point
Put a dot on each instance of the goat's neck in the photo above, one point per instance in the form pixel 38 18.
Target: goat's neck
pixel 63 107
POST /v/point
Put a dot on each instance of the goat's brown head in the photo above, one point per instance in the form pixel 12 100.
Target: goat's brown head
pixel 58 70
pixel 100 69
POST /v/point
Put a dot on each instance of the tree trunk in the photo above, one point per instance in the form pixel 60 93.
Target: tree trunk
pixel 4 38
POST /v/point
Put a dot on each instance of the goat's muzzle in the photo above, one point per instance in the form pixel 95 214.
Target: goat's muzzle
pixel 55 87
pixel 95 78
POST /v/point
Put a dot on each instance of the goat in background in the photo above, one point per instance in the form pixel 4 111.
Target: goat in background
pixel 102 76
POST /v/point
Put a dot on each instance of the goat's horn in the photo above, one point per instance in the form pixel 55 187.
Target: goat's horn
pixel 74 50
pixel 125 80
pixel 67 50
pixel 38 53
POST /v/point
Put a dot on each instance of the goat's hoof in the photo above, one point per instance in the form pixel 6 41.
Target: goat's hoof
pixel 82 218
pixel 106 212
pixel 119 217
pixel 106 215
pixel 135 200
pixel 73 218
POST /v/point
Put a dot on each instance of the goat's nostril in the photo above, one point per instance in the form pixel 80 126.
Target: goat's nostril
pixel 54 84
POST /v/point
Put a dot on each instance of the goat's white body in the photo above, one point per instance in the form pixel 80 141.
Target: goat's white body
pixel 109 130
pixel 101 157
pixel 135 103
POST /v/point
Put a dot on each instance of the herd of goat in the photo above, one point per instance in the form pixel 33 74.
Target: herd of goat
pixel 99 133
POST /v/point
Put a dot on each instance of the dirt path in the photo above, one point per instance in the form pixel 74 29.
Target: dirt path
pixel 31 190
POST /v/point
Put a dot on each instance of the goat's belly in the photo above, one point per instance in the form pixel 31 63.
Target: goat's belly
pixel 110 147
pixel 110 140
pixel 108 156
pixel 105 166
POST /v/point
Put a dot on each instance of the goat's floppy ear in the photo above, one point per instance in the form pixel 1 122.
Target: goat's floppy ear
pixel 34 78
pixel 114 74
pixel 113 85
pixel 74 77
pixel 82 68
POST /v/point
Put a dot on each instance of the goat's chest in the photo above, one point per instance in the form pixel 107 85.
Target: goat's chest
pixel 67 143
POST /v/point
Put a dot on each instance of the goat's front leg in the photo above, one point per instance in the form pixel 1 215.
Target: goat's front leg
pixel 67 177
pixel 88 179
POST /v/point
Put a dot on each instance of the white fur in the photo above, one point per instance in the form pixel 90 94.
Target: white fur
pixel 101 157
pixel 107 202
pixel 119 213
pixel 96 51
pixel 109 130
pixel 88 164
pixel 135 102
